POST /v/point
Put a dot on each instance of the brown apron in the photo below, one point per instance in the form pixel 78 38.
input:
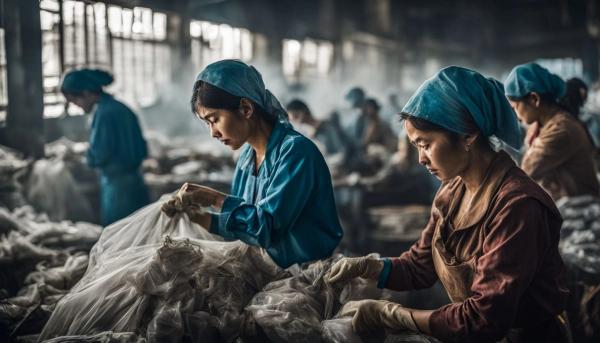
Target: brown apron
pixel 457 277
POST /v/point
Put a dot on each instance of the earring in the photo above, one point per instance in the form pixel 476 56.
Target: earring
pixel 468 147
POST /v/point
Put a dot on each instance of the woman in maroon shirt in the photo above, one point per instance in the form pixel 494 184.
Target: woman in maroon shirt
pixel 492 238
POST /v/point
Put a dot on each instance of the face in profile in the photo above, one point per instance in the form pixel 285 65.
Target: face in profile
pixel 231 128
pixel 442 157
pixel 85 100
pixel 525 110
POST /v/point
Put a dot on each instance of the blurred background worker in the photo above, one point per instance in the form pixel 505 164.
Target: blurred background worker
pixel 375 130
pixel 560 156
pixel 327 133
pixel 117 147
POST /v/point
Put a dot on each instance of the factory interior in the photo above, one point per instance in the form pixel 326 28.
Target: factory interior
pixel 299 171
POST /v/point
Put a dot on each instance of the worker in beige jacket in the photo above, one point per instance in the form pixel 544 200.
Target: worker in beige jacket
pixel 560 155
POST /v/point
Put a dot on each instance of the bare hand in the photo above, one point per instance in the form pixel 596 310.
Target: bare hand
pixel 192 195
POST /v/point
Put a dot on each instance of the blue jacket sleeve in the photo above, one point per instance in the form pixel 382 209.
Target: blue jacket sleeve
pixel 288 192
pixel 101 143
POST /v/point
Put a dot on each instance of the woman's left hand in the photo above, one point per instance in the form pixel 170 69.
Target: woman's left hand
pixel 368 315
pixel 200 217
pixel 192 195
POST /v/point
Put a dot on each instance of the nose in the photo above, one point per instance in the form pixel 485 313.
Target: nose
pixel 214 132
pixel 422 158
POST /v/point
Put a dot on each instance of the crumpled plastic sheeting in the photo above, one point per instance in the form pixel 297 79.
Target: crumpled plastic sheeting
pixel 31 238
pixel 12 167
pixel 52 189
pixel 16 248
pixel 30 309
pixel 39 261
pixel 40 230
pixel 61 277
pixel 114 295
pixel 580 233
pixel 339 330
pixel 103 337
pixel 155 275
pixel 300 308
pixel 291 309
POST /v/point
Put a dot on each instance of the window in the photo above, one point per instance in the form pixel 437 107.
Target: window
pixel 130 43
pixel 54 103
pixel 141 54
pixel 308 58
pixel 563 67
pixel 212 42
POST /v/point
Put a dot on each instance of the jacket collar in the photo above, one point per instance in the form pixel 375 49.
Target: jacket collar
pixel 277 134
pixel 451 194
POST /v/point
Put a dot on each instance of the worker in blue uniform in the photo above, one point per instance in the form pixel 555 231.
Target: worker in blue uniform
pixel 281 196
pixel 117 146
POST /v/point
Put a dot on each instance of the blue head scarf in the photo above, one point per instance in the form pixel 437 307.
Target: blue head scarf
pixel 77 81
pixel 239 79
pixel 455 93
pixel 531 77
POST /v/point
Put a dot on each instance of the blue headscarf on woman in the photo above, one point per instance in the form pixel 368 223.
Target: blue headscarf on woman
pixel 454 93
pixel 531 77
pixel 242 80
pixel 79 80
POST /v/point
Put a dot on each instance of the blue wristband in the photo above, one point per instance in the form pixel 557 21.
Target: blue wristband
pixel 385 273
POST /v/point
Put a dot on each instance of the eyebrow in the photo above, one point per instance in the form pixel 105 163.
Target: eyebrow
pixel 417 141
pixel 211 114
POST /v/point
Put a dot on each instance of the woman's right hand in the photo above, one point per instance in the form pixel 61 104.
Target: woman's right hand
pixel 171 207
pixel 348 268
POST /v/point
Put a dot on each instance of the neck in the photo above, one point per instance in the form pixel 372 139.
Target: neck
pixel 259 140
pixel 547 114
pixel 475 173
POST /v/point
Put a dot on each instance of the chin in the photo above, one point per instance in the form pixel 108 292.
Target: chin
pixel 235 146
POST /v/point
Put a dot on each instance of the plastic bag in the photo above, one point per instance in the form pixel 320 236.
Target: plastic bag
pixel 149 272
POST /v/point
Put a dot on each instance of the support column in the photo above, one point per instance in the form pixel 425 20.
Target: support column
pixel 180 43
pixel 24 129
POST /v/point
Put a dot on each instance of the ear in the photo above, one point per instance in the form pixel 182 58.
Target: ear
pixel 535 99
pixel 470 140
pixel 246 108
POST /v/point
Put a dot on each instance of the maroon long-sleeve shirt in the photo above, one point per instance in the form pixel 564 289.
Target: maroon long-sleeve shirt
pixel 513 229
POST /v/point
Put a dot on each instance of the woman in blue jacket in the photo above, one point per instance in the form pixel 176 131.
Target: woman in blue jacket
pixel 117 147
pixel 281 197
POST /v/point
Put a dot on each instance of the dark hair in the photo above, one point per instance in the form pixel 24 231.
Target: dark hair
pixel 373 103
pixel 297 105
pixel 454 137
pixel 572 101
pixel 211 96
pixel 546 98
